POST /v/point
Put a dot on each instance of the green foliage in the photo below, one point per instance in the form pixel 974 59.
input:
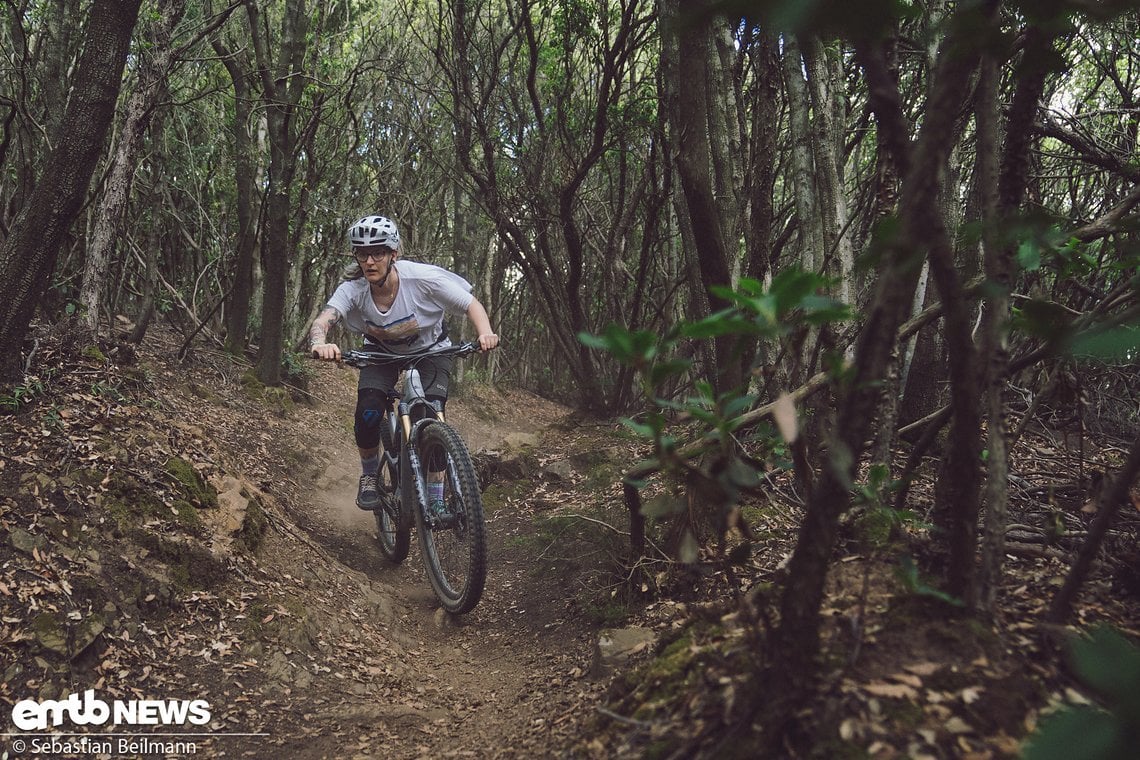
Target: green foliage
pixel 14 398
pixel 757 313
pixel 907 574
pixel 879 522
pixel 1044 252
pixel 825 17
pixel 296 368
pixel 106 390
pixel 192 487
pixel 1109 344
pixel 791 300
pixel 1107 664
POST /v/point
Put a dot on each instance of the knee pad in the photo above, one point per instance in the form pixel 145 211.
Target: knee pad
pixel 370 408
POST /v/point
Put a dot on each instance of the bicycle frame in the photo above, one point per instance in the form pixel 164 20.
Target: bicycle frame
pixel 406 414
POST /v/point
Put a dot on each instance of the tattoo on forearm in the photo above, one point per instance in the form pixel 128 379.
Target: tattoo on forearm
pixel 322 324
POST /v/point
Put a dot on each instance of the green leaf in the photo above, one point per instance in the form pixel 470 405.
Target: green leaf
pixel 665 370
pixel 791 286
pixel 739 404
pixel 733 295
pixel 1043 319
pixel 621 342
pixel 662 505
pixel 1029 256
pixel 702 414
pixel 725 322
pixel 1082 733
pixel 1109 664
pixel 1113 344
pixel 877 475
pixel 593 341
pixel 645 431
pixel 907 573
pixel 741 474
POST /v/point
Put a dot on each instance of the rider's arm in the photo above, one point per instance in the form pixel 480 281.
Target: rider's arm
pixel 482 324
pixel 318 335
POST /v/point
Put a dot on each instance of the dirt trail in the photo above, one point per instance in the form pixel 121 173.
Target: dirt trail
pixel 509 679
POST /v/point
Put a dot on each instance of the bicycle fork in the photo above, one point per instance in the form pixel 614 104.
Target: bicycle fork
pixel 415 467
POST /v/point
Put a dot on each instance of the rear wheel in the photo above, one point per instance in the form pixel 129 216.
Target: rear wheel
pixel 454 543
pixel 395 540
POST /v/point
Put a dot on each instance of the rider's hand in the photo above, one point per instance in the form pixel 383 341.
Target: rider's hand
pixel 488 341
pixel 329 352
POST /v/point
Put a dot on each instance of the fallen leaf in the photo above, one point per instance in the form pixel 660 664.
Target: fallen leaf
pixel 784 413
pixel 957 726
pixel 923 668
pixel 1005 744
pixel 891 690
pixel 908 679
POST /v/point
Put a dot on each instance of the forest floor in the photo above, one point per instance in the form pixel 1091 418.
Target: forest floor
pixel 264 593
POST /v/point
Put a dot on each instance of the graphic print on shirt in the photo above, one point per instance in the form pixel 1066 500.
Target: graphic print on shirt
pixel 400 332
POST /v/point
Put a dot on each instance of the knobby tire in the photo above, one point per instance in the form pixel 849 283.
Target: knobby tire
pixel 455 555
pixel 395 539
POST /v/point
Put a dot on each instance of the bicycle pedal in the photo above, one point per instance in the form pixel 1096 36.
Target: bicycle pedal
pixel 445 521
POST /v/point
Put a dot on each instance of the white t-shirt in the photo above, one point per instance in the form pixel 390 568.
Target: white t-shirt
pixel 426 295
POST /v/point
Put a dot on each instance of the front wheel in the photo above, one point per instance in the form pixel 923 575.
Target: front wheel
pixel 454 539
pixel 394 533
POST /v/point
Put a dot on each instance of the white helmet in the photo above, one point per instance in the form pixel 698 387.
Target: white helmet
pixel 374 230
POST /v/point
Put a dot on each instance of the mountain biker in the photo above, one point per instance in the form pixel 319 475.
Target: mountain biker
pixel 399 307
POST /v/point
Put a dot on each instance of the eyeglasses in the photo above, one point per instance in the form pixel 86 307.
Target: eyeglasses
pixel 363 254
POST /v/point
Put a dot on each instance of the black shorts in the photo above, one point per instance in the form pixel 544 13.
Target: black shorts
pixel 435 373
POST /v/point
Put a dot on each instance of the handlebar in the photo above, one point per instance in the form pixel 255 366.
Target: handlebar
pixel 365 358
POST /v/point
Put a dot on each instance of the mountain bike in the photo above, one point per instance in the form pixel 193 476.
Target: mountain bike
pixel 419 446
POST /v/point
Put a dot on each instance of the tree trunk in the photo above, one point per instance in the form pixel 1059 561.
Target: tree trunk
pixel 762 159
pixel 140 111
pixel 1005 190
pixel 697 62
pixel 809 222
pixel 282 86
pixel 150 283
pixel 246 245
pixel 957 488
pixel 28 256
pixel 832 196
pixel 797 637
pixel 994 346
